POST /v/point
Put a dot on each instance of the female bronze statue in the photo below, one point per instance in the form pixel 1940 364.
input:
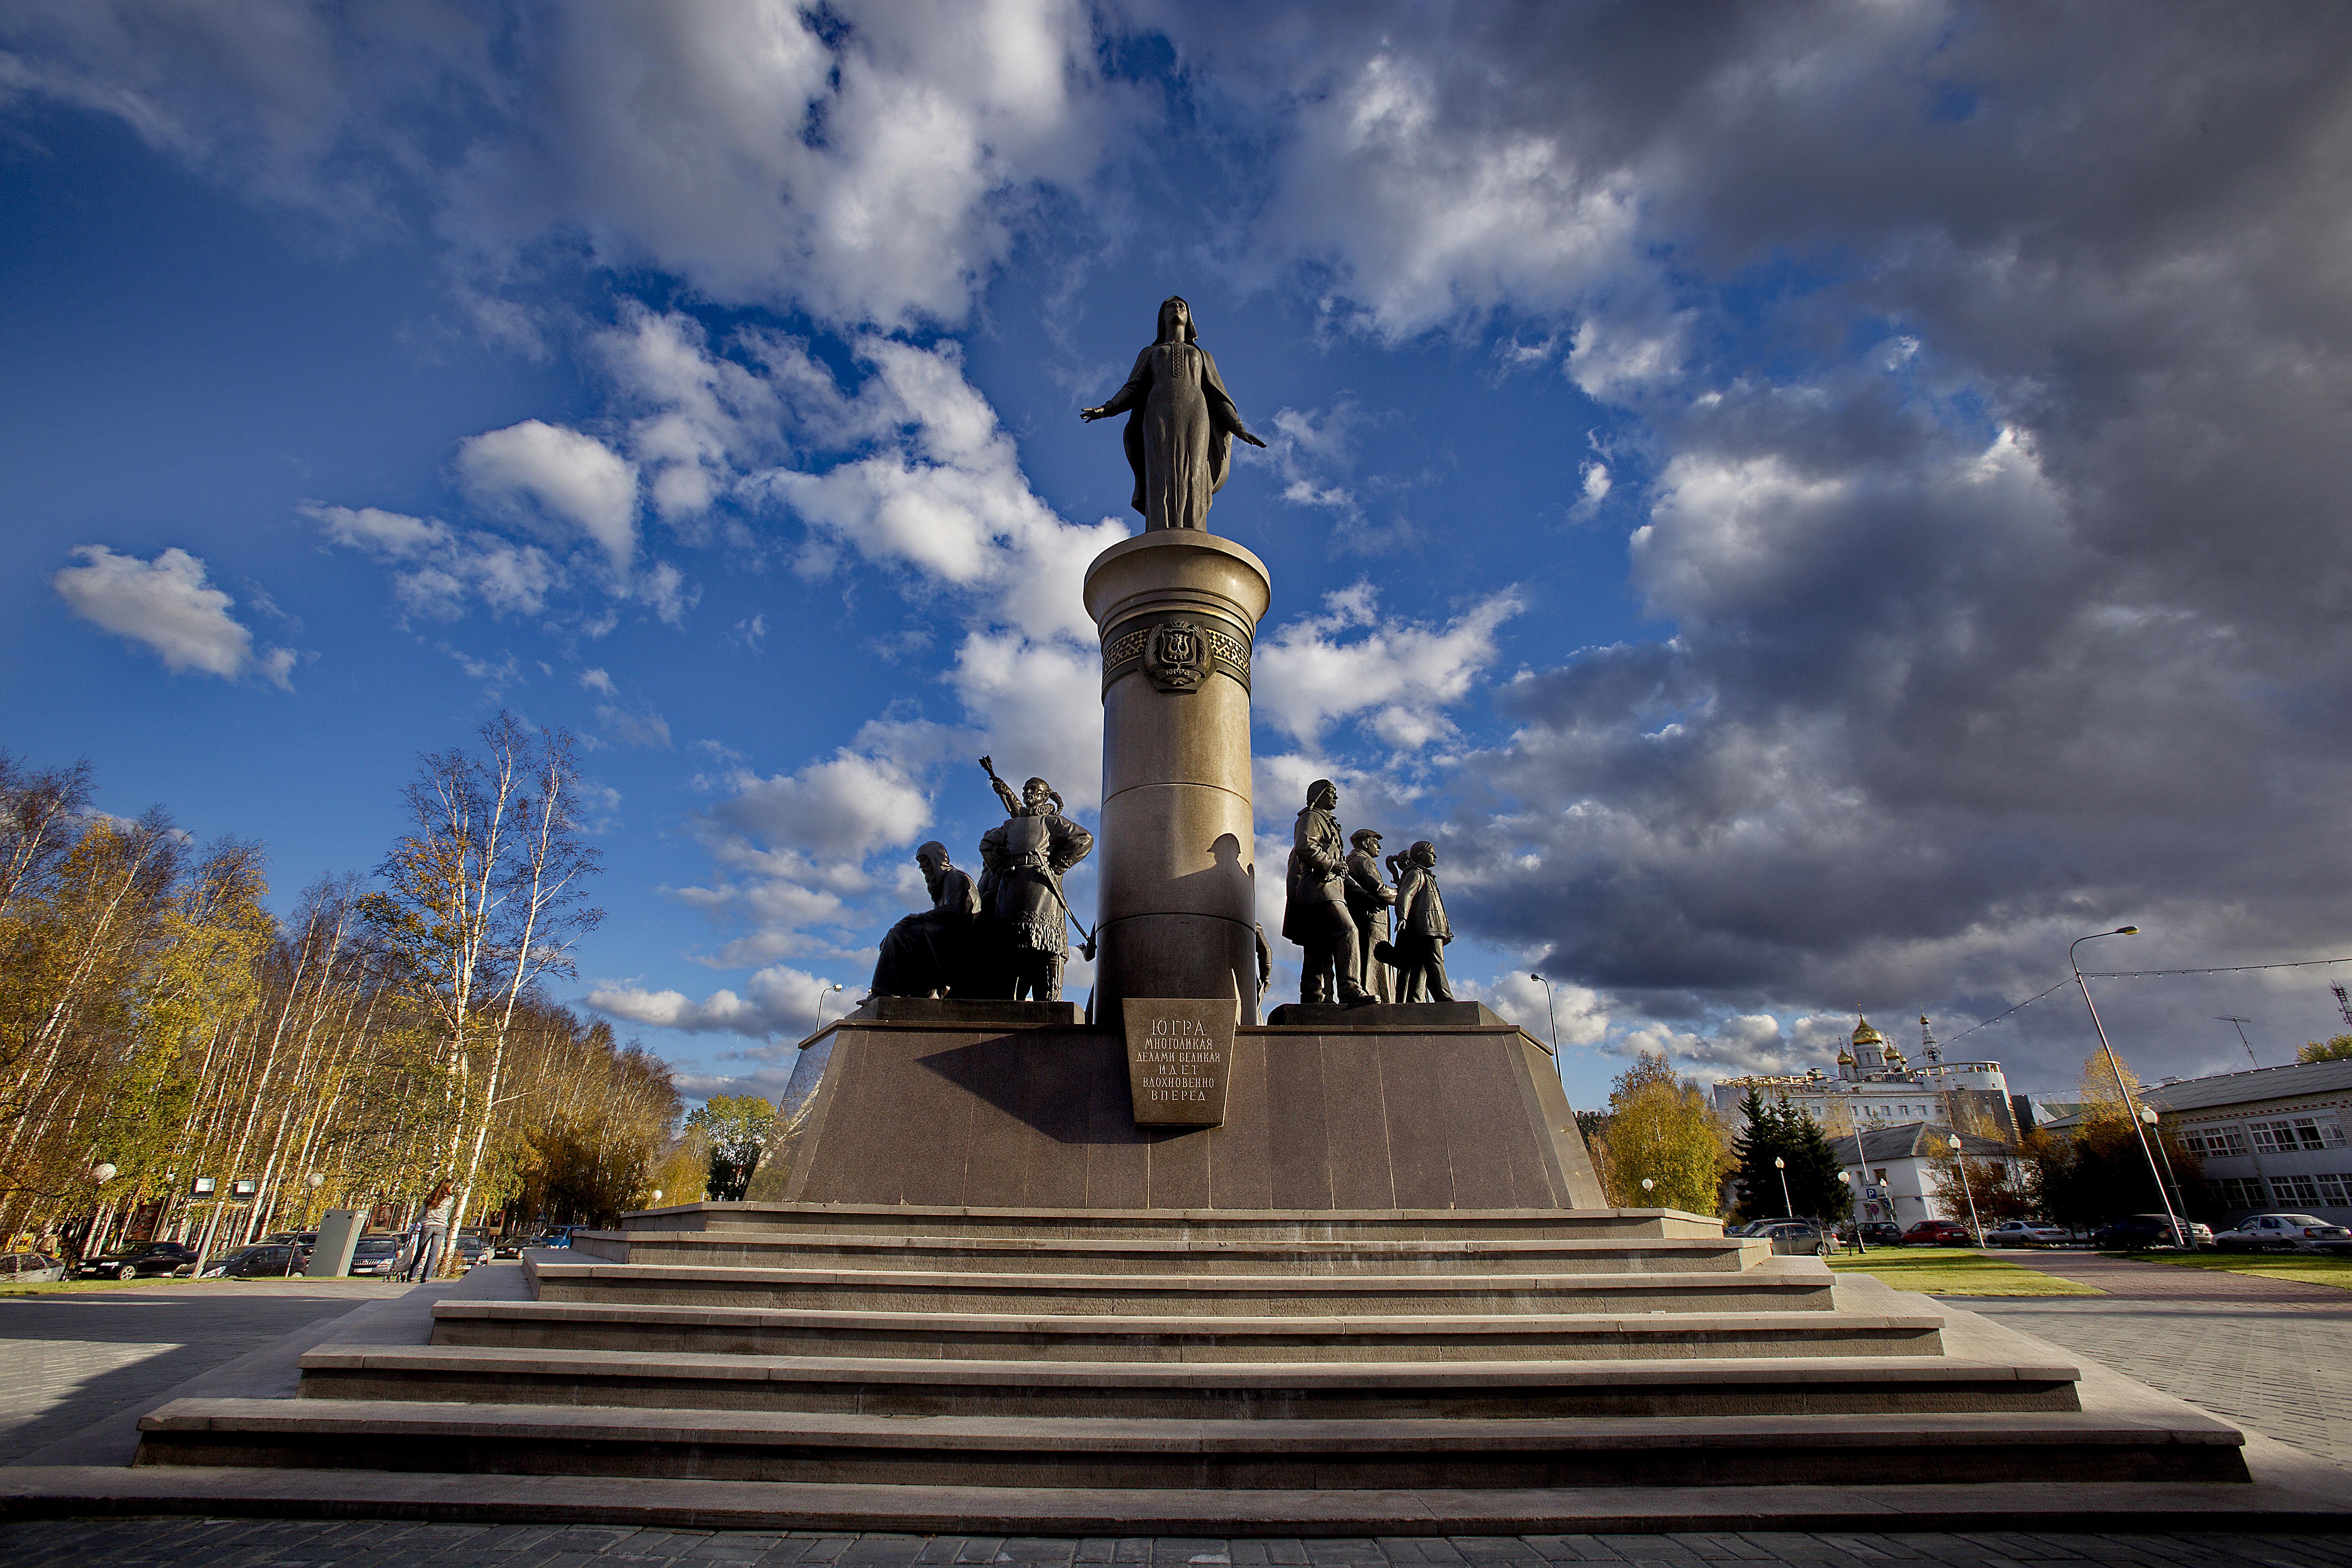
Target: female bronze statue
pixel 1180 424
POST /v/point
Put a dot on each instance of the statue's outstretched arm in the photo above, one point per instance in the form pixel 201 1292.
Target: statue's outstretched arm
pixel 1131 395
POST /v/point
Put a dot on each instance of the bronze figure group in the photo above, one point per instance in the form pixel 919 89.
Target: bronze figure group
pixel 1007 937
pixel 1338 908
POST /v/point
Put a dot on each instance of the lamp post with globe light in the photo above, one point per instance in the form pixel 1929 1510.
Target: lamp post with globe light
pixel 2149 1119
pixel 2178 1231
pixel 824 989
pixel 1976 1224
pixel 1787 1203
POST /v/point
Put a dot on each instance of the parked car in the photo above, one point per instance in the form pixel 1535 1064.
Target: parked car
pixel 379 1255
pixel 30 1269
pixel 259 1262
pixel 302 1241
pixel 1794 1237
pixel 1938 1233
pixel 510 1246
pixel 2285 1233
pixel 2024 1233
pixel 471 1247
pixel 1875 1232
pixel 136 1260
pixel 2135 1231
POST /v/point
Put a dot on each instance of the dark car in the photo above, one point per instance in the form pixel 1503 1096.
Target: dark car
pixel 379 1257
pixel 2135 1231
pixel 136 1260
pixel 263 1262
pixel 1875 1232
pixel 470 1247
pixel 1938 1233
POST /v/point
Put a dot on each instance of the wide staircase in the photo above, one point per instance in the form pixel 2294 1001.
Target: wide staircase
pixel 973 1348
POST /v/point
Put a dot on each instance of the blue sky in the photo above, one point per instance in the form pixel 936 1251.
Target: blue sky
pixel 1810 507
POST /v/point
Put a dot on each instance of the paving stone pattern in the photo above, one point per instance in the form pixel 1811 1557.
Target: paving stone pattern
pixel 2273 1355
pixel 276 1543
pixel 72 1359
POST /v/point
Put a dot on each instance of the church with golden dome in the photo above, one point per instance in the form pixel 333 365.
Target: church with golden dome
pixel 1875 1085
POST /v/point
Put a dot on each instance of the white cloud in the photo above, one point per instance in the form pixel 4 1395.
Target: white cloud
pixel 549 474
pixel 873 171
pixel 1427 221
pixel 776 1003
pixel 167 605
pixel 868 161
pixel 442 568
pixel 1400 674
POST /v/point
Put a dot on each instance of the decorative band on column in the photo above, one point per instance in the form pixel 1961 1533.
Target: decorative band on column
pixel 1177 652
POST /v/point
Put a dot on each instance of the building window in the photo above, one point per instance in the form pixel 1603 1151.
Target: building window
pixel 2272 1137
pixel 2318 1133
pixel 2332 1191
pixel 2295 1192
pixel 2238 1193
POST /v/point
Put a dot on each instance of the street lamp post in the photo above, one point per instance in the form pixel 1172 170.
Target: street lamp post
pixel 1648 1186
pixel 1787 1203
pixel 2148 1119
pixel 1961 1161
pixel 1552 1011
pixel 822 991
pixel 2171 1220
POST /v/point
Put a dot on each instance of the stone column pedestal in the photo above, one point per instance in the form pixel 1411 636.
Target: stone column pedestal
pixel 1178 610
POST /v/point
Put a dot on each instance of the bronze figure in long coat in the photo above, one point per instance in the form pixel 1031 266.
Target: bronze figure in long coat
pixel 1315 908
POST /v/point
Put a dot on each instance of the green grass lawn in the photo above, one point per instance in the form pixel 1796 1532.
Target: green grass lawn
pixel 2306 1268
pixel 1955 1271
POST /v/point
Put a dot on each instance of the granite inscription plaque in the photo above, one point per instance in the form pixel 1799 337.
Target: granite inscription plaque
pixel 1180 1058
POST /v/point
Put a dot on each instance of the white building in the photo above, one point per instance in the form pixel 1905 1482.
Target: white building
pixel 1896 1167
pixel 1876 1086
pixel 2272 1138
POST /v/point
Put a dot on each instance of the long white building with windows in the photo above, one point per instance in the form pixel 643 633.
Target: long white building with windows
pixel 1875 1085
pixel 2271 1138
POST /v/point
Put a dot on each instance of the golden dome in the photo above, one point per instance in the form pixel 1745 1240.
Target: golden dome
pixel 1863 1034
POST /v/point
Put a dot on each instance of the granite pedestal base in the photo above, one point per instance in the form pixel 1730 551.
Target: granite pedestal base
pixel 961 1113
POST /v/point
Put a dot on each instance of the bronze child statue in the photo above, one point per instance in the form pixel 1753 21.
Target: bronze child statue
pixel 1422 929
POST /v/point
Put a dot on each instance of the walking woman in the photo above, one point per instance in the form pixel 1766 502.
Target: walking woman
pixel 433 1230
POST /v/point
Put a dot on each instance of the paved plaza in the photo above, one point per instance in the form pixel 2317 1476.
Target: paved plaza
pixel 2272 1355
pixel 74 1358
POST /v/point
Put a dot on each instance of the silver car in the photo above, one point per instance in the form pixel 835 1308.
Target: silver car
pixel 29 1269
pixel 2285 1233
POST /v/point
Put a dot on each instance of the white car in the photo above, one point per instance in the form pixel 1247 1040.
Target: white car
pixel 2024 1233
pixel 2285 1233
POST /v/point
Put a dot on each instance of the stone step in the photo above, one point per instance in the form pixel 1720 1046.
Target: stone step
pixel 1188 1224
pixel 1186 1391
pixel 1785 1284
pixel 1159 1255
pixel 1747 1451
pixel 997 1336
